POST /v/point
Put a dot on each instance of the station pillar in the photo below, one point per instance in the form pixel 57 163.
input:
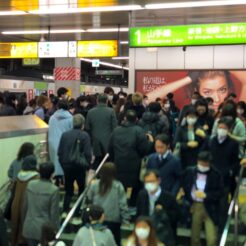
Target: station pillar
pixel 67 74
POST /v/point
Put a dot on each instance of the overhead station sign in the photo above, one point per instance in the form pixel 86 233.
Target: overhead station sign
pixel 188 35
pixel 100 48
pixel 19 50
pixel 97 49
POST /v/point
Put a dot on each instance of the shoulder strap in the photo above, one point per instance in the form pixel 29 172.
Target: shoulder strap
pixel 92 236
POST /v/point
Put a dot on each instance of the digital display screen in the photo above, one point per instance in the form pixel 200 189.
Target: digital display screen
pixel 52 49
pixel 204 34
pixel 19 50
pixel 100 48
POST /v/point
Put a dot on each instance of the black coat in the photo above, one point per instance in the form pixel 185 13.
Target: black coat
pixel 100 123
pixel 68 140
pixel 128 145
pixel 213 190
pixel 166 200
pixel 188 155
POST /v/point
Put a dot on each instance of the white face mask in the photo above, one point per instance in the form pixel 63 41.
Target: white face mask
pixel 191 121
pixel 240 111
pixel 202 168
pixel 146 102
pixel 85 104
pixel 222 133
pixel 151 187
pixel 167 106
pixel 193 101
pixel 110 97
pixel 142 233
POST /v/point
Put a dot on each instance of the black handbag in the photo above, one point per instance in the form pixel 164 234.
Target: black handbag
pixel 76 157
pixel 8 207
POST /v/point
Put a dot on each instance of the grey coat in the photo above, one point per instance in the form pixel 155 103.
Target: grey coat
pixel 41 205
pixel 100 123
pixel 114 202
pixel 102 237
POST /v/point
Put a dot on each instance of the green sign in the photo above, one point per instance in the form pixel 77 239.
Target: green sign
pixel 40 86
pixel 204 34
pixel 30 61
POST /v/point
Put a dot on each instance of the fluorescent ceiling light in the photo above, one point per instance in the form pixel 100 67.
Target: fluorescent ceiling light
pixel 107 64
pixel 60 31
pixel 4 13
pixel 194 4
pixel 124 42
pixel 60 10
pixel 124 29
pixel 121 58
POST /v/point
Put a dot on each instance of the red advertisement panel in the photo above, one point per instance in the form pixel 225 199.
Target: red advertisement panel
pixel 216 84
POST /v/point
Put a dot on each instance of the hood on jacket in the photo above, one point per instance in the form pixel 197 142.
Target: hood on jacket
pixel 26 175
pixel 150 117
pixel 62 114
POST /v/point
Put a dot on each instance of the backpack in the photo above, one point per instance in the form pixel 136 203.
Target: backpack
pixel 76 157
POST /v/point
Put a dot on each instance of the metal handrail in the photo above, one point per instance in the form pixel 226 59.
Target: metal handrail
pixel 80 199
pixel 233 207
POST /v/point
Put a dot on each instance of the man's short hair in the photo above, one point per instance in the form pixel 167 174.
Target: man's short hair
pixel 61 91
pixel 137 98
pixel 164 138
pixel 204 156
pixel 228 121
pixel 102 98
pixel 63 104
pixel 46 170
pixel 78 121
pixel 131 116
pixel 152 171
pixel 154 107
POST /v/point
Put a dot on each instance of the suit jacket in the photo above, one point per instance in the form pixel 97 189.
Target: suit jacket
pixel 213 190
pixel 100 123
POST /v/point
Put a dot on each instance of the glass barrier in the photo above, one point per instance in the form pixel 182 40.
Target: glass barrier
pixel 235 229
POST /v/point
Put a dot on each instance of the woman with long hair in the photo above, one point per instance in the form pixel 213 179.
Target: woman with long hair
pixel 110 194
pixel 144 234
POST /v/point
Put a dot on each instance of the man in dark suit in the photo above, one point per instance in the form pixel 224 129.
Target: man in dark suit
pixel 160 205
pixel 202 186
pixel 100 123
pixel 168 165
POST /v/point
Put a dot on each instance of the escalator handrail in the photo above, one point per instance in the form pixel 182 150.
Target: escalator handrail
pixel 231 208
pixel 78 202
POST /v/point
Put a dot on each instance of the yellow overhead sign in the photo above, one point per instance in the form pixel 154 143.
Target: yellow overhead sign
pixel 19 50
pixel 96 3
pixel 100 48
pixel 26 5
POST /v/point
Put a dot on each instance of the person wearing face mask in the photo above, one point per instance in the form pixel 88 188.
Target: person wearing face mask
pixel 83 105
pixel 205 120
pixel 168 165
pixel 241 111
pixel 160 205
pixel 194 98
pixel 144 234
pixel 202 186
pixel 109 91
pixel 189 138
pixel 62 93
pixel 224 152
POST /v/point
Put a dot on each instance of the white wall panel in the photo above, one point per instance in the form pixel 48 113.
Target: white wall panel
pixel 199 57
pixel 146 58
pixel 228 56
pixel 170 58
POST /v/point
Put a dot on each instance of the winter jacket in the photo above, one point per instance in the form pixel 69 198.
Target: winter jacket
pixel 41 205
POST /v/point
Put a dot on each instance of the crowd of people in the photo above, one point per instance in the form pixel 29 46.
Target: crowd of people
pixel 174 166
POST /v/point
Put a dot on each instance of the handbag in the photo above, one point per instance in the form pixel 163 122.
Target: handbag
pixel 8 207
pixel 76 157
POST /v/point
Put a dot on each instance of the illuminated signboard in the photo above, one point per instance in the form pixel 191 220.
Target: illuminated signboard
pixel 30 61
pixel 100 48
pixel 52 49
pixel 204 34
pixel 19 50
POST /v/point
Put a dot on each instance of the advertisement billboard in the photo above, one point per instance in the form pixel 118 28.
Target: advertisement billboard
pixel 216 84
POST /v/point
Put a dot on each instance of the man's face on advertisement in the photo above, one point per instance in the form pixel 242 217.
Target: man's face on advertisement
pixel 216 88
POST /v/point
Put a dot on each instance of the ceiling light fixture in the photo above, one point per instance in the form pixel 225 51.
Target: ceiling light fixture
pixel 86 10
pixel 124 42
pixel 107 64
pixel 120 58
pixel 33 32
pixel 194 4
pixel 122 29
pixel 6 13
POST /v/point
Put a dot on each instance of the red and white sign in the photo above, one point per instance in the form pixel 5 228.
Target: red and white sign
pixel 66 73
